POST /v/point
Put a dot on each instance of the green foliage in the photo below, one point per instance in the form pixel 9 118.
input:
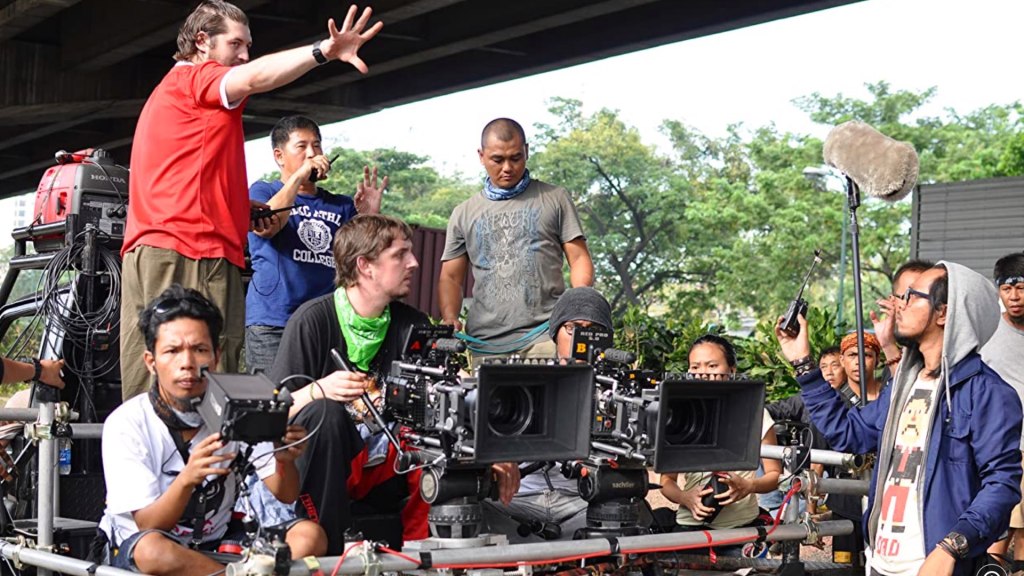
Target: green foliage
pixel 759 355
pixel 416 192
pixel 23 338
pixel 952 147
pixel 626 197
pixel 1011 163
pixel 663 343
pixel 716 231
pixel 659 342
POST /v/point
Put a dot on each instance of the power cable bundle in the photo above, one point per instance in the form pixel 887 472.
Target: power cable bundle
pixel 62 303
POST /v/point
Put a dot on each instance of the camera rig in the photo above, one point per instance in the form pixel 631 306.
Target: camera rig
pixel 676 424
pixel 507 411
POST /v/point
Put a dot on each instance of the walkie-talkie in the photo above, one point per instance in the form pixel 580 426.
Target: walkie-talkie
pixel 791 321
pixel 315 175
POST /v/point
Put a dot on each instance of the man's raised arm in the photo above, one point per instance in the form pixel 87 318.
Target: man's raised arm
pixel 281 68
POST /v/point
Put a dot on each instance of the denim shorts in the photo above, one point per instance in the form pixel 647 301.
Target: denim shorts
pixel 124 556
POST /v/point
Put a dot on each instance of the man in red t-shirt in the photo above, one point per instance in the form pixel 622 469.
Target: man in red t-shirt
pixel 189 210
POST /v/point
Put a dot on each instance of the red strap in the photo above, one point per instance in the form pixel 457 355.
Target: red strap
pixel 711 551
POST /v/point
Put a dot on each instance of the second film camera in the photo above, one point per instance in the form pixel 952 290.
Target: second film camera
pixel 680 423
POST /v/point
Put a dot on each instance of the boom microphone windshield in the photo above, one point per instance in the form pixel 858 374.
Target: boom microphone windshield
pixel 880 166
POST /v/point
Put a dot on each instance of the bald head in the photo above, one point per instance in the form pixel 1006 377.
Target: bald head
pixel 504 129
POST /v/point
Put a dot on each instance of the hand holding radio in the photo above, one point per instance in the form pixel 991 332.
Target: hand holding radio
pixel 318 166
pixel 292 435
pixel 798 307
pixel 700 501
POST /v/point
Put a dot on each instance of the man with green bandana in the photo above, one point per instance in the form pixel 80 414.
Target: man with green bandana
pixel 366 323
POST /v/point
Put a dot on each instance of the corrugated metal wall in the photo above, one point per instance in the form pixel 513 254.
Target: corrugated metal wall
pixel 970 223
pixel 428 245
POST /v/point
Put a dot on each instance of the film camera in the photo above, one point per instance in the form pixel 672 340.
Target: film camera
pixel 509 410
pixel 679 424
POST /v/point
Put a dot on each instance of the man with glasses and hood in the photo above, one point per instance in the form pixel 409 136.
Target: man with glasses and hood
pixel 948 469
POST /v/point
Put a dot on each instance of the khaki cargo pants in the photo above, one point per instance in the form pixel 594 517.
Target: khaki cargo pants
pixel 148 271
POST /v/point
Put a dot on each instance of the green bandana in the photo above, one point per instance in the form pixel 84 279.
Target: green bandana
pixel 363 336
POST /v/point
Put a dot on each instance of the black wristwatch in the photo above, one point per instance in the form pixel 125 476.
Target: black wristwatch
pixel 956 543
pixel 317 54
pixel 38 366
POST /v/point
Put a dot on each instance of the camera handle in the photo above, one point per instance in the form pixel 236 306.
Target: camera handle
pixel 340 362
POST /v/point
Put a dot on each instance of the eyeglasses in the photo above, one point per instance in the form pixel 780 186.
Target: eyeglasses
pixel 910 293
pixel 570 327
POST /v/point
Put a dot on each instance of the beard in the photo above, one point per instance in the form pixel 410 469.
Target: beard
pixel 904 340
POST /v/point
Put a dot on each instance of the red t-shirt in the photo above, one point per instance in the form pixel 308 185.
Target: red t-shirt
pixel 188 189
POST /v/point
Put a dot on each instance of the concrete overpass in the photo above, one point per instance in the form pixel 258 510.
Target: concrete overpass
pixel 75 73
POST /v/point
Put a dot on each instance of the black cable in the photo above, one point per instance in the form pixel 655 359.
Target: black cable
pixel 60 303
pixel 311 433
pixel 808 442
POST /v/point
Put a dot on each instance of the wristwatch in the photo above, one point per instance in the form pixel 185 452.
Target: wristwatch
pixel 956 543
pixel 317 54
pixel 38 366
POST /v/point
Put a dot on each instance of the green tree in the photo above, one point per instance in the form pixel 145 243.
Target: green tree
pixel 627 198
pixel 952 147
pixel 23 336
pixel 416 192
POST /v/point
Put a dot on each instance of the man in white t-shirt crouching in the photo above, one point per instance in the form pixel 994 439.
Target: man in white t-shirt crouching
pixel 170 490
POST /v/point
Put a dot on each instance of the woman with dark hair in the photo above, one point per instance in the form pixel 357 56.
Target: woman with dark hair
pixel 712 357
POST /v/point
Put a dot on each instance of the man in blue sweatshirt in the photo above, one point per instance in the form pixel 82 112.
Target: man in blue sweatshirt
pixel 947 431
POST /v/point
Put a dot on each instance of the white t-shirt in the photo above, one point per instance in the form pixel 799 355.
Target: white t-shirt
pixel 898 548
pixel 140 461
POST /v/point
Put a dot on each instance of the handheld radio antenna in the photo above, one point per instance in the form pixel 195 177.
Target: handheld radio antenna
pixel 815 262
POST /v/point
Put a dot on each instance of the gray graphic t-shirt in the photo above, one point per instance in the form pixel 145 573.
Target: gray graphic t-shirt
pixel 515 250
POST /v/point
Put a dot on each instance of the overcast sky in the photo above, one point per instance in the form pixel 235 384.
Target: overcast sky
pixel 750 75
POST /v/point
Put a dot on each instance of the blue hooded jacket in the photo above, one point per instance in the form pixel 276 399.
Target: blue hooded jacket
pixel 973 464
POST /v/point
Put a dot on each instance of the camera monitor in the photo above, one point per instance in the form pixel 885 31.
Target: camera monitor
pixel 708 424
pixel 244 407
pixel 528 412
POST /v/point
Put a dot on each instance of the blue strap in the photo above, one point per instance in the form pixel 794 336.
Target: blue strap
pixel 485 347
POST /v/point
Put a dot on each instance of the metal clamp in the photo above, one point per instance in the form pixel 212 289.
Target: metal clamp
pixel 35 432
pixel 61 412
pixel 59 428
pixel 813 537
pixel 372 565
pixel 16 555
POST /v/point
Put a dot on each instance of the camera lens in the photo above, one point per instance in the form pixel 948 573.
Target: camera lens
pixel 688 422
pixel 510 410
